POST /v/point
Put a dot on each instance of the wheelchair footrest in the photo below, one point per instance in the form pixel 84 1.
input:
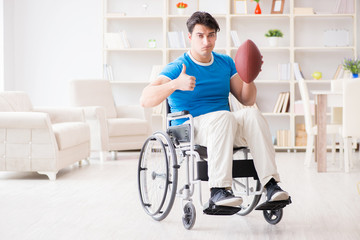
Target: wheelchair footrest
pixel 212 209
pixel 273 205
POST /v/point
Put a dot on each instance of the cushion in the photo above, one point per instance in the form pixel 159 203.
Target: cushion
pixel 4 105
pixel 127 126
pixel 17 101
pixel 70 134
pixel 93 93
pixel 248 61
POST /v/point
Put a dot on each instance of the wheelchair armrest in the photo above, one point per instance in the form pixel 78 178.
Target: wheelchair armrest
pixel 182 133
pixel 178 114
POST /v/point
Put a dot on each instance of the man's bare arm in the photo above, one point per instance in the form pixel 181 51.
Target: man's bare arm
pixel 162 87
pixel 245 93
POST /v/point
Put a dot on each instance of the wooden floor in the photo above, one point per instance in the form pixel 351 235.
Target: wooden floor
pixel 100 201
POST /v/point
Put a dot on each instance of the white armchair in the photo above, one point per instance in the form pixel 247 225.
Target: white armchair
pixel 40 140
pixel 351 118
pixel 113 128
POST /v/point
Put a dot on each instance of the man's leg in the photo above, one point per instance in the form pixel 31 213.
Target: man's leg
pixel 254 132
pixel 215 131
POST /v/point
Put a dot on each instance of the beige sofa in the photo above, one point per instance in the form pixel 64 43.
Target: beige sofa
pixel 113 128
pixel 42 140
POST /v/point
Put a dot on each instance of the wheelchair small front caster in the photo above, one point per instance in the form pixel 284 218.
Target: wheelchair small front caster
pixel 189 216
pixel 273 216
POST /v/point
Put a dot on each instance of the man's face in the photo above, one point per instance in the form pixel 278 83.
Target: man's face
pixel 202 41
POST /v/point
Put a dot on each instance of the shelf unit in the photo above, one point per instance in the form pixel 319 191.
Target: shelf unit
pixel 302 43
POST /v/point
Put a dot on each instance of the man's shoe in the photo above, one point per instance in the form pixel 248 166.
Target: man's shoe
pixel 223 197
pixel 275 193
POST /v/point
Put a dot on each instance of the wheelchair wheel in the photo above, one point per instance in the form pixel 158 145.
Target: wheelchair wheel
pixel 250 199
pixel 273 216
pixel 157 175
pixel 189 216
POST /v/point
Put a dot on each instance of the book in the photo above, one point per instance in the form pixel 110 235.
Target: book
pixel 286 103
pixel 297 72
pixel 108 72
pixel 339 70
pixel 235 38
pixel 278 103
pixel 283 138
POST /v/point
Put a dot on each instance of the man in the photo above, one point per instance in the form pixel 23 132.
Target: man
pixel 200 81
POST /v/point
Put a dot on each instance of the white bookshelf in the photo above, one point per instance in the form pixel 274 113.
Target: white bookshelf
pixel 302 43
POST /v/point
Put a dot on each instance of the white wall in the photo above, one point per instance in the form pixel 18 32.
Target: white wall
pixel 8 38
pixel 1 45
pixel 54 41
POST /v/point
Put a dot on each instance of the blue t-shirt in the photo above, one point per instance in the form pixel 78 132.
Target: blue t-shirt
pixel 212 85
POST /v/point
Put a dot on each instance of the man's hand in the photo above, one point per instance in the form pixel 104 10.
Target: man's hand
pixel 185 82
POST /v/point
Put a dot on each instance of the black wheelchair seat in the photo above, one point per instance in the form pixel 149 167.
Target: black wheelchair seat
pixel 241 168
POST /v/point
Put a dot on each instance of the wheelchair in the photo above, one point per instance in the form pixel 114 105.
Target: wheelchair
pixel 160 160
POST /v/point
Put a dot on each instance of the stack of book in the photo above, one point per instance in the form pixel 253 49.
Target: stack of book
pixel 282 103
pixel 283 138
pixel 300 135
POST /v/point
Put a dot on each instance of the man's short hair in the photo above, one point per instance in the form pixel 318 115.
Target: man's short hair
pixel 202 18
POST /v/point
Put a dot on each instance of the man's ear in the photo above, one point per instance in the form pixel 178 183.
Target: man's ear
pixel 189 36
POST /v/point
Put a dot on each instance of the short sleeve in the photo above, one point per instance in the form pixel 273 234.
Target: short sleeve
pixel 172 70
pixel 232 67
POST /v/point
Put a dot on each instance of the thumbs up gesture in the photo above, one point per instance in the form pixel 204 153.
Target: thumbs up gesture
pixel 185 82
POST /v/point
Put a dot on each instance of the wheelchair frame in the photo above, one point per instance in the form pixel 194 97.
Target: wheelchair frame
pixel 162 175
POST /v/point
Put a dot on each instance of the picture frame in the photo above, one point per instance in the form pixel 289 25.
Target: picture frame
pixel 277 6
pixel 240 7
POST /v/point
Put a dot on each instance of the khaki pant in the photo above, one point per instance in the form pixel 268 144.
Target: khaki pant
pixel 221 131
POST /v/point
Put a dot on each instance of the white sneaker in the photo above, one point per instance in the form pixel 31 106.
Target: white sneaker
pixel 225 198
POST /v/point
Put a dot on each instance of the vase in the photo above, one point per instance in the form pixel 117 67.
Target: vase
pixel 181 11
pixel 273 41
pixel 257 9
pixel 355 75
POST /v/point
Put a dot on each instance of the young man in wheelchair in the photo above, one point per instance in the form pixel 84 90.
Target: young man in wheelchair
pixel 200 81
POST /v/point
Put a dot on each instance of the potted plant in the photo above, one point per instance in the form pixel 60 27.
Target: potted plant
pixel 181 6
pixel 352 65
pixel 273 36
